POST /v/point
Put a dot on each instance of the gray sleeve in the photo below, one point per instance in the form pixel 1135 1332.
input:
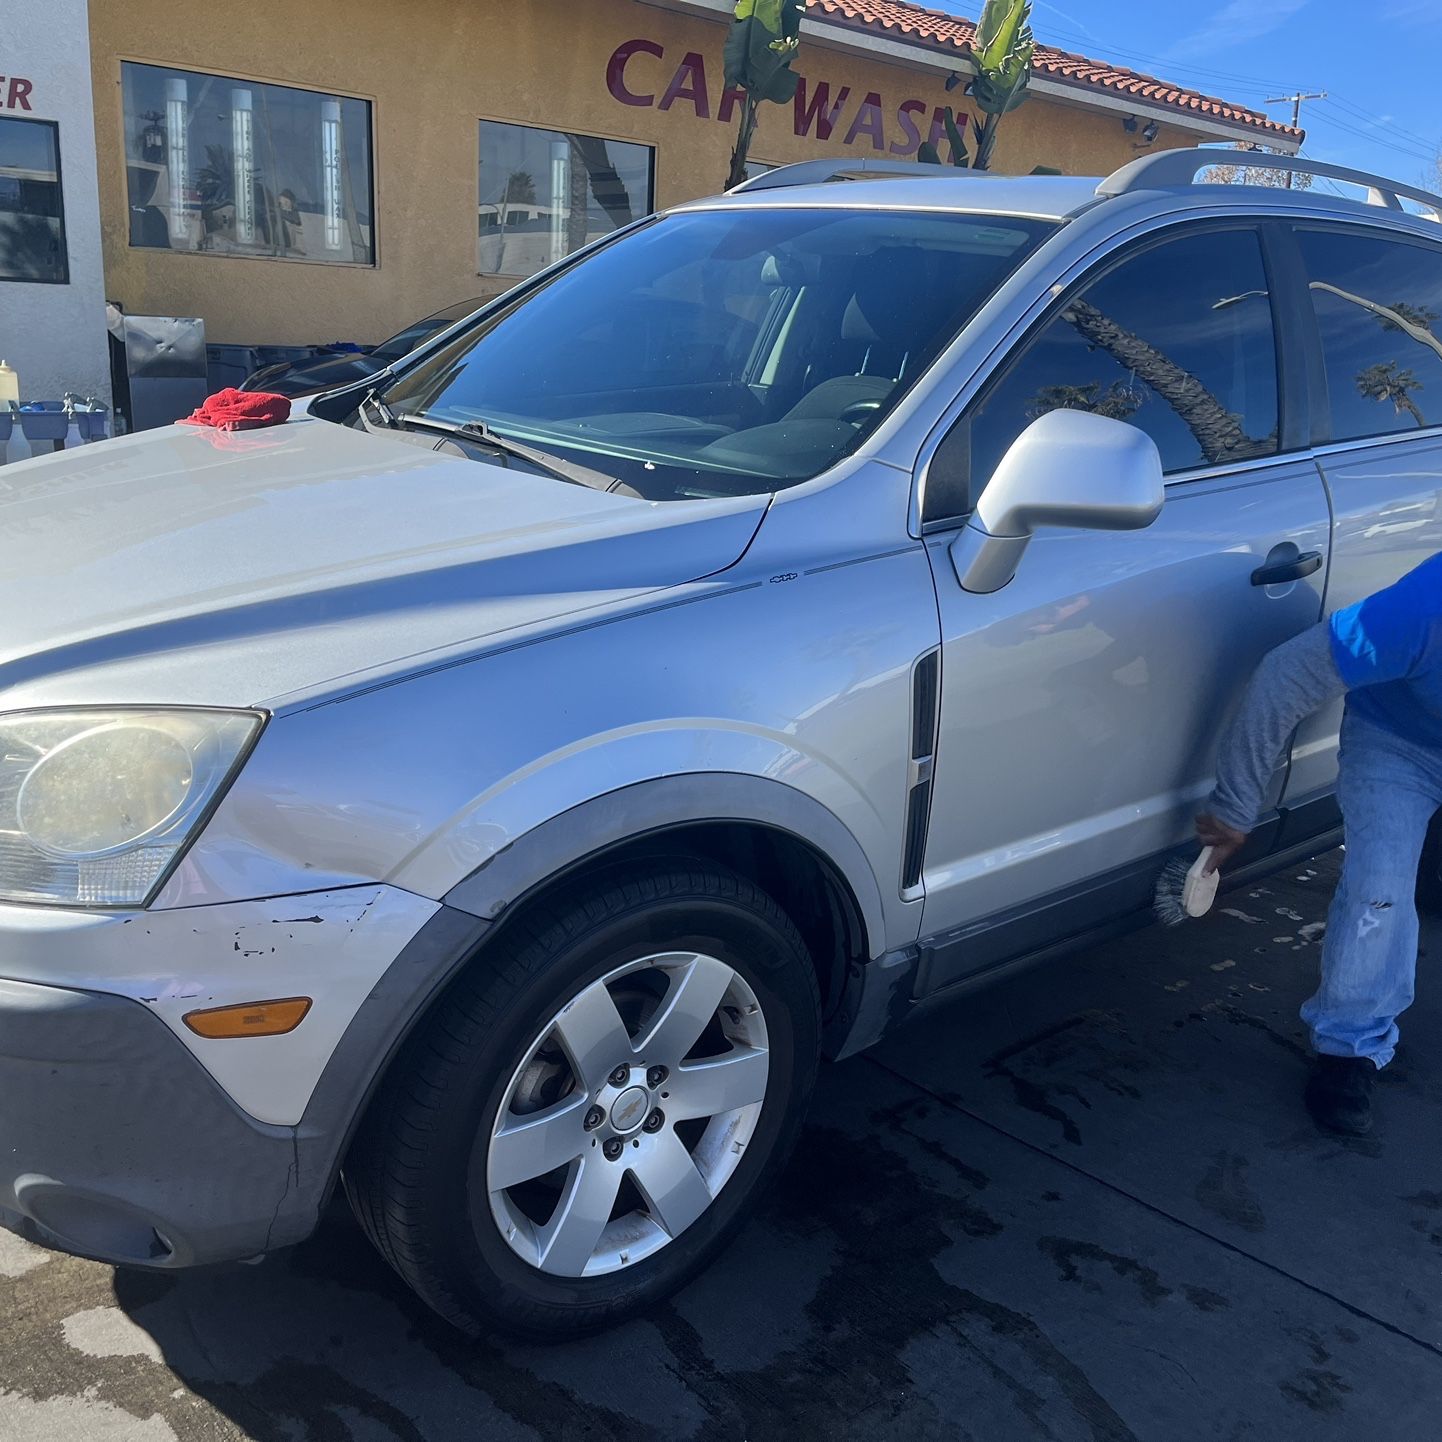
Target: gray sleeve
pixel 1295 680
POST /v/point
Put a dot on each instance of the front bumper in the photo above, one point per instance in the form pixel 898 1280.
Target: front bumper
pixel 115 1143
pixel 122 1141
pixel 330 946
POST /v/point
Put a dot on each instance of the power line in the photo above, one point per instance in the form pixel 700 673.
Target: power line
pixel 1167 64
pixel 1412 152
pixel 1326 181
pixel 1427 143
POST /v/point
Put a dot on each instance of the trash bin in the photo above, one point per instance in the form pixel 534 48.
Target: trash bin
pixel 270 355
pixel 228 365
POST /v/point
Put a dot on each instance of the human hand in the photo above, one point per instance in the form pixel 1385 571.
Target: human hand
pixel 1224 840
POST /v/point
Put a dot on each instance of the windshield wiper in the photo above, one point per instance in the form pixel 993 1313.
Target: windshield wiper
pixel 482 434
pixel 377 403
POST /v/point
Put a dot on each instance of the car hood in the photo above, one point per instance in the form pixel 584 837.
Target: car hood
pixel 202 567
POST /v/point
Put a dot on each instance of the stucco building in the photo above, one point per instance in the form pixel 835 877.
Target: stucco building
pixel 52 289
pixel 359 164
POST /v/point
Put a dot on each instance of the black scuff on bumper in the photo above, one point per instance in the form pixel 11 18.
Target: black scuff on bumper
pixel 116 1144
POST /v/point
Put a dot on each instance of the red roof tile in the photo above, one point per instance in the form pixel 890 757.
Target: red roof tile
pixel 937 30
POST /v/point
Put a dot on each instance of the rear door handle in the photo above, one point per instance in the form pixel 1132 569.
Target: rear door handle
pixel 1295 568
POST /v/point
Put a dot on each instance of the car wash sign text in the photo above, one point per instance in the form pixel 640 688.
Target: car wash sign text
pixel 639 74
pixel 15 92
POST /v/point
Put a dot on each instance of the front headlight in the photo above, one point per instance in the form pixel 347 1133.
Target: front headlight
pixel 96 805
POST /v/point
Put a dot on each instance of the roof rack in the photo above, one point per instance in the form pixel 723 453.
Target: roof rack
pixel 818 172
pixel 1170 168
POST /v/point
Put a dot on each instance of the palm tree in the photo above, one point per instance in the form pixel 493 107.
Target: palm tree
pixel 1219 433
pixel 1387 381
pixel 1119 402
pixel 603 178
pixel 1420 316
pixel 521 188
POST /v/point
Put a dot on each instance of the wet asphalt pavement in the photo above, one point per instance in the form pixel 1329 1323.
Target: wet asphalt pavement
pixel 1086 1204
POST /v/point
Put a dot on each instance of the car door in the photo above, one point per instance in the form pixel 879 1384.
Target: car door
pixel 1376 298
pixel 1081 704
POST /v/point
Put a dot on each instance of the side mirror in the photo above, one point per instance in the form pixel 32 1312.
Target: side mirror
pixel 1067 468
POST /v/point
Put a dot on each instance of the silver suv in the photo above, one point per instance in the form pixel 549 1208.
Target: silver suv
pixel 498 787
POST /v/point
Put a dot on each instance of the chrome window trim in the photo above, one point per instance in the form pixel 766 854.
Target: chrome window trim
pixel 1388 438
pixel 1256 463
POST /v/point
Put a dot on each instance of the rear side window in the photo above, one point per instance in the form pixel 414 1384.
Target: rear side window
pixel 1177 339
pixel 1379 311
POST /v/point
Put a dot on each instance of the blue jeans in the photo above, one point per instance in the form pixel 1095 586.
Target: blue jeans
pixel 1389 790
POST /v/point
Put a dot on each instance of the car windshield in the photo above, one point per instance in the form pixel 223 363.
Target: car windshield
pixel 723 352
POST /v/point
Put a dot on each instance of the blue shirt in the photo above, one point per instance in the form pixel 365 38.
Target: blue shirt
pixel 1388 650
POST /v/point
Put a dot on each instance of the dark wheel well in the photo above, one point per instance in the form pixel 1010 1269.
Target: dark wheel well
pixel 798 877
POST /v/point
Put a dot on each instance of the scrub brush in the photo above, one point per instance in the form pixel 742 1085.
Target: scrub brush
pixel 1185 891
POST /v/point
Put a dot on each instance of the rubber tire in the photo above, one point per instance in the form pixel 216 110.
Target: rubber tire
pixel 1429 871
pixel 406 1174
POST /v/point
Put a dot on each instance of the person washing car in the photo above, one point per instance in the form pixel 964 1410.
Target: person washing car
pixel 1385 655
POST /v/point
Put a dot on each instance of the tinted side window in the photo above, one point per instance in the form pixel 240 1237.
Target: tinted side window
pixel 1177 340
pixel 1379 310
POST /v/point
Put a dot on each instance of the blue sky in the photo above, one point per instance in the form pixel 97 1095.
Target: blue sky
pixel 1377 60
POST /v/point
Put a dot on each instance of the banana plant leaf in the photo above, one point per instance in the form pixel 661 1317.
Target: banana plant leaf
pixel 1000 33
pixel 996 96
pixel 782 86
pixel 959 157
pixel 1003 48
pixel 761 44
pixel 928 154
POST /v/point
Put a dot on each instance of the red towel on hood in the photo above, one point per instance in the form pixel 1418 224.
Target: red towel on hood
pixel 233 410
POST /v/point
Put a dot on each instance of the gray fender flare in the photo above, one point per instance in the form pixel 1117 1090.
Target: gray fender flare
pixel 655 806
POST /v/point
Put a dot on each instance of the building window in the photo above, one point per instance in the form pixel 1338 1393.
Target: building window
pixel 232 167
pixel 32 217
pixel 544 194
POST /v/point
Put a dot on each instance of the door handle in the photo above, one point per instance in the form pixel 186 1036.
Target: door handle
pixel 1294 568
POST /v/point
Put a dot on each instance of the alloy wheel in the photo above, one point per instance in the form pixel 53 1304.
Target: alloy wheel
pixel 627 1115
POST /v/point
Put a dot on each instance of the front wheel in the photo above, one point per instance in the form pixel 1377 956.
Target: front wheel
pixel 589 1113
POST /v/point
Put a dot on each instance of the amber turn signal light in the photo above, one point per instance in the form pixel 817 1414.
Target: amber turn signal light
pixel 254 1018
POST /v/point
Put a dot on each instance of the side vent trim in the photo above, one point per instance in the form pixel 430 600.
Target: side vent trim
pixel 925 708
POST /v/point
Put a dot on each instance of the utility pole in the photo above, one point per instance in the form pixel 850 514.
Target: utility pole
pixel 1295 101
